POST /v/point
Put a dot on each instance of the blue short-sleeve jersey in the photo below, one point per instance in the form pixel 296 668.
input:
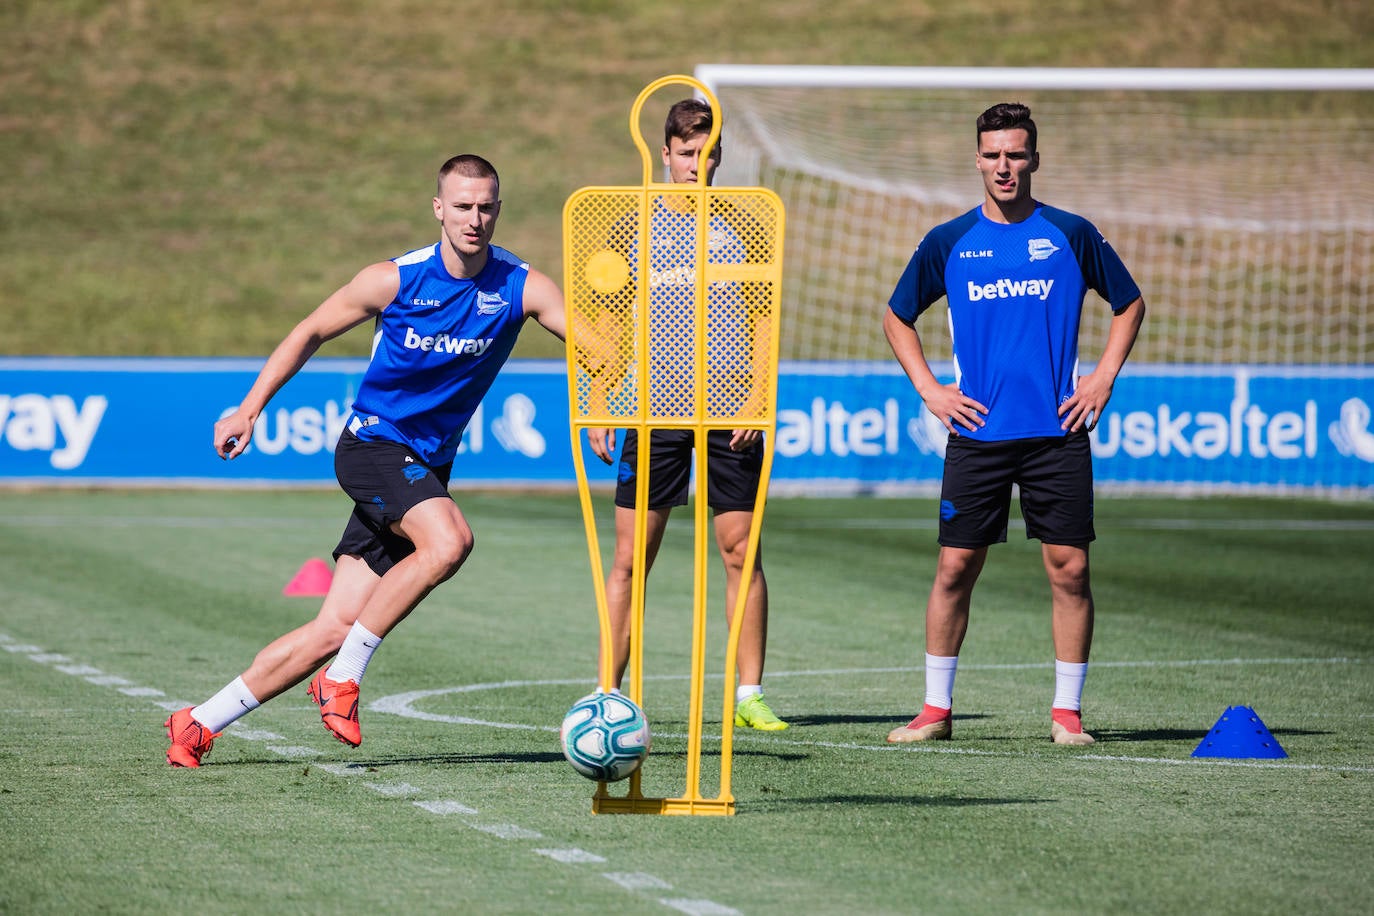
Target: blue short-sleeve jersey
pixel 437 349
pixel 1015 293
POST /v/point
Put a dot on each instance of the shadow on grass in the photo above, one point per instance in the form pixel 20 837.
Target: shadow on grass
pixel 1192 735
pixel 377 764
pixel 551 757
pixel 849 719
pixel 900 801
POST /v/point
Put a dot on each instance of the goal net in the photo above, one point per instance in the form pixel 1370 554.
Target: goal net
pixel 1240 200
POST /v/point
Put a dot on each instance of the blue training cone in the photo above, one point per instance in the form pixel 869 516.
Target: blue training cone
pixel 1239 733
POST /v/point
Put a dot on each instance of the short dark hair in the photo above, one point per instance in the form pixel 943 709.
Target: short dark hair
pixel 1008 116
pixel 469 166
pixel 687 119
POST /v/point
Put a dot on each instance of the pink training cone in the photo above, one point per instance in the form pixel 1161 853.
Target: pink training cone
pixel 311 581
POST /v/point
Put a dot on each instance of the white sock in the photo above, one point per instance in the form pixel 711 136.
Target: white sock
pixel 232 703
pixel 940 671
pixel 351 662
pixel 1068 684
pixel 744 691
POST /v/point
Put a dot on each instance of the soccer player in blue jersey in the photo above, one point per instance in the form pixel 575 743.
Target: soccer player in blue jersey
pixel 1015 273
pixel 446 317
pixel 735 459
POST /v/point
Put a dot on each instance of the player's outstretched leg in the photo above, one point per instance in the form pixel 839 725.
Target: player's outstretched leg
pixel 338 702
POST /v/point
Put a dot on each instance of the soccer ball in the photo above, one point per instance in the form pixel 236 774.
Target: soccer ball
pixel 605 736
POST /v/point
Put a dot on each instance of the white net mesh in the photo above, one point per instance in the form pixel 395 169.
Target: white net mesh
pixel 1247 217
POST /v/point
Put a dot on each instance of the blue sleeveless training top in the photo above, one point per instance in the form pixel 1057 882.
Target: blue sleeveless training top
pixel 438 347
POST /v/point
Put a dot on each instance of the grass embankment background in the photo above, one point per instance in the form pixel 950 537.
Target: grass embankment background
pixel 183 178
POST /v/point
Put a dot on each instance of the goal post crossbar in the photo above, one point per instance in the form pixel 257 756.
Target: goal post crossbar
pixel 716 76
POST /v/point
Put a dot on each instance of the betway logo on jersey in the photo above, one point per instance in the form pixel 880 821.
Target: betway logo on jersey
pixel 444 343
pixel 1009 289
pixel 673 276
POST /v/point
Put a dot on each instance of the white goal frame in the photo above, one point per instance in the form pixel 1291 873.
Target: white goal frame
pixel 1235 197
pixel 1333 242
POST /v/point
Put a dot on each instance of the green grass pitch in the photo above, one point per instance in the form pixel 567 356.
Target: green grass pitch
pixel 115 604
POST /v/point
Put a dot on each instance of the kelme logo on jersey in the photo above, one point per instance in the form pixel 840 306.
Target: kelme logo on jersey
pixel 1040 249
pixel 490 303
pixel 1010 289
pixel 444 343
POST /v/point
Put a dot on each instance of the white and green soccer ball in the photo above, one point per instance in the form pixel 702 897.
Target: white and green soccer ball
pixel 605 736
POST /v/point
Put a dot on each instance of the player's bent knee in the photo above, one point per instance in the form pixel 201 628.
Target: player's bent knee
pixel 445 556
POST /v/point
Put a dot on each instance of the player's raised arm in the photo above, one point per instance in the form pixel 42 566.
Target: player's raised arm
pixel 363 297
pixel 544 303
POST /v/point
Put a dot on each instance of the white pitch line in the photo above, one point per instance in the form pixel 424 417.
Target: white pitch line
pixel 511 832
pixel 162 521
pixel 78 670
pixel 392 789
pixel 508 831
pixel 638 881
pixel 248 734
pixel 698 907
pixel 402 704
pixel 1213 761
pixel 930 748
pixel 914 523
pixel 342 769
pixel 445 806
pixel 1026 666
pixel 1146 524
pixel 572 856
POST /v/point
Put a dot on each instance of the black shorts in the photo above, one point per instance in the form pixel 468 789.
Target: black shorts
pixel 386 480
pixel 1055 475
pixel 733 476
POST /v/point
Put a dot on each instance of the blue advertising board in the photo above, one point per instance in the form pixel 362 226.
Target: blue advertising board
pixel 842 427
pixel 124 421
pixel 1180 428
